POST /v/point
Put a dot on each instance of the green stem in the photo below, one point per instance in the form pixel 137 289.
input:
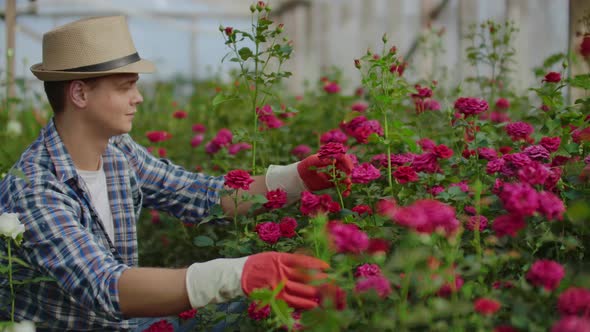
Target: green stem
pixel 386 134
pixel 12 296
pixel 335 180
pixel 254 99
pixel 403 310
pixel 236 212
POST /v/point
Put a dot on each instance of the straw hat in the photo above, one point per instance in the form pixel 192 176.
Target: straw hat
pixel 91 47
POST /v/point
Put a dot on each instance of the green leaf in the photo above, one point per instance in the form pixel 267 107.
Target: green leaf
pixel 203 241
pixel 581 81
pixel 245 53
pixel 16 260
pixel 33 280
pixel 218 99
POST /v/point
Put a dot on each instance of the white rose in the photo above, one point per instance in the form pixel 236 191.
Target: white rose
pixel 24 326
pixel 10 226
pixel 14 128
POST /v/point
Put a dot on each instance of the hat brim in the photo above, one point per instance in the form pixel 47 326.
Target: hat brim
pixel 141 66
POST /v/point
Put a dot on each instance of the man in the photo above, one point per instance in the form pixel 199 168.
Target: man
pixel 86 181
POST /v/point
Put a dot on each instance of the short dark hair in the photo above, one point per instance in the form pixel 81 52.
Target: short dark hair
pixel 56 92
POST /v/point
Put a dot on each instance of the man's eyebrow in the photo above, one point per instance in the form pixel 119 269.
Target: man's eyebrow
pixel 129 80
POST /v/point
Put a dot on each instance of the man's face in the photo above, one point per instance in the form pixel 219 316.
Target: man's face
pixel 112 104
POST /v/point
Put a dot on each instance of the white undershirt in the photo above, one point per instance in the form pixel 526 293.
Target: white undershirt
pixel 96 183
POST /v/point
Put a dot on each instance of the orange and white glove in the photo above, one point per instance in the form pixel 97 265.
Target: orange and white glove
pixel 307 174
pixel 221 280
pixel 269 269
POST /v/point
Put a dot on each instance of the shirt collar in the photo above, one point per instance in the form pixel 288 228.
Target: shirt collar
pixel 60 158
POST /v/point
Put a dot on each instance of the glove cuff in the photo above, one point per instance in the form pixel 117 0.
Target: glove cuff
pixel 287 178
pixel 214 281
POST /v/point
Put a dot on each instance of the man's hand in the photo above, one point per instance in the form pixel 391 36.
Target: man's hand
pixel 269 269
pixel 314 178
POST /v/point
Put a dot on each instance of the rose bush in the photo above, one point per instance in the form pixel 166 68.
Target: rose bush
pixel 468 208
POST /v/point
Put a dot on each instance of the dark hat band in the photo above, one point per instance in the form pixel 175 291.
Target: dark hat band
pixel 108 65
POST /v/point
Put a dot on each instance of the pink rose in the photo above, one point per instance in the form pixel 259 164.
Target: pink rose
pixel 546 273
pixel 470 106
pixel 364 173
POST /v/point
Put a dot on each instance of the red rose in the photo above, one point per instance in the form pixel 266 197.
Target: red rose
pixel 486 306
pixel 552 77
pixel 237 179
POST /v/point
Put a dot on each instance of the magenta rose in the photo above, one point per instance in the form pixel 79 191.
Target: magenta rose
pixel 238 179
pixel 268 232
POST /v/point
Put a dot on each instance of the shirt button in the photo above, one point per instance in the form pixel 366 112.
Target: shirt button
pixel 113 249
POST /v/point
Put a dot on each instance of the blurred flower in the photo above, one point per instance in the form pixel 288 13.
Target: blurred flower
pixel 519 199
pixel 155 217
pixel 229 31
pixel 199 128
pixel 427 216
pixel 331 150
pixel 550 143
pixel 585 46
pixel 157 136
pixel 405 174
pixel 450 287
pixel 474 221
pixel 378 246
pixel 10 225
pixel 442 151
pixel 180 114
pixel 367 270
pixel 347 238
pixel 185 315
pixel 334 135
pixel 487 153
pixel 331 87
pixel 519 130
pixel 470 106
pixel 432 105
pixel 486 306
pixel 378 283
pixel 160 326
pixel 508 225
pixel 574 301
pixel 311 204
pixel 546 273
pixel 550 206
pixel 364 173
pixel 301 151
pixel 256 312
pixel 14 128
pixel 571 324
pixel 536 152
pixel 197 140
pixel 236 148
pixel 426 144
pixel 287 226
pixel 360 106
pixel 502 104
pixel 362 209
pixel 552 77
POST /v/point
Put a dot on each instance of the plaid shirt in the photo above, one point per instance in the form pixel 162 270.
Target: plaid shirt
pixel 64 237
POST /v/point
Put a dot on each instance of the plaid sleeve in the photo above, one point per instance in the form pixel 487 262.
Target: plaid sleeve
pixel 60 247
pixel 168 187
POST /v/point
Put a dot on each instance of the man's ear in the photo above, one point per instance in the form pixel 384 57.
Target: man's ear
pixel 77 93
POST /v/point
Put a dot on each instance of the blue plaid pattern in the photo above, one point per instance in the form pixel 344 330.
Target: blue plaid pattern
pixel 64 237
